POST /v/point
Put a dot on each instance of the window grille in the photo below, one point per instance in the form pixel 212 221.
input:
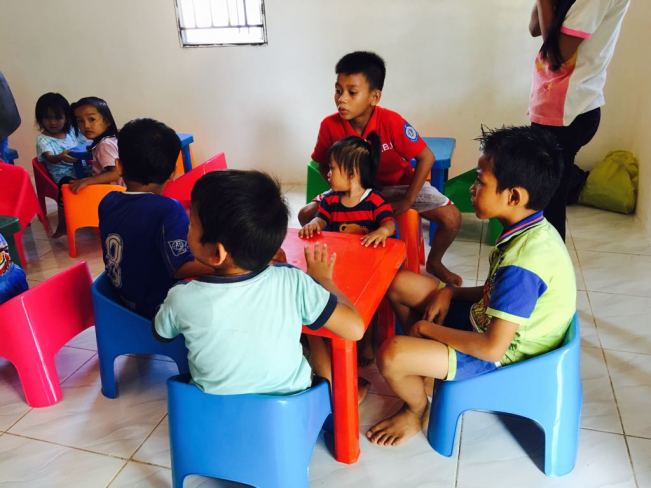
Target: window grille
pixel 221 22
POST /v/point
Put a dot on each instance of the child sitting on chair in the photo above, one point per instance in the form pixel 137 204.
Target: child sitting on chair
pixel 523 309
pixel 144 234
pixel 242 324
pixel 353 206
pixel 358 89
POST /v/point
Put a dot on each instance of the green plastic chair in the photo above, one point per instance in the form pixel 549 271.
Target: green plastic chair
pixel 8 227
pixel 315 182
pixel 457 189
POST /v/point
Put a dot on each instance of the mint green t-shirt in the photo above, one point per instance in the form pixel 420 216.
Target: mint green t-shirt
pixel 243 333
pixel 531 283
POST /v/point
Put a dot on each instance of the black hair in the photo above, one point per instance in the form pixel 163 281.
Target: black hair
pixel 550 49
pixel 369 64
pixel 104 110
pixel 243 210
pixel 528 157
pixel 355 155
pixel 148 151
pixel 57 105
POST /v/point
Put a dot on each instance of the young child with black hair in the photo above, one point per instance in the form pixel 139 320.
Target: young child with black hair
pixel 523 309
pixel 93 118
pixel 358 89
pixel 242 324
pixel 58 135
pixel 353 206
pixel 144 234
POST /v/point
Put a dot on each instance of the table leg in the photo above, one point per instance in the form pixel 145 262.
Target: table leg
pixel 345 408
pixel 187 159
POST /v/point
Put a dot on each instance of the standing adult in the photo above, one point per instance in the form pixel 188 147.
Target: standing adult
pixel 9 118
pixel 579 38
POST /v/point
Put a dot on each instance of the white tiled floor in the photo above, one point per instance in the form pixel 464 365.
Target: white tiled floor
pixel 87 440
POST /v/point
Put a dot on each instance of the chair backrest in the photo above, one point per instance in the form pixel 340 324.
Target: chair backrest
pixel 50 312
pixel 81 208
pixel 181 188
pixel 41 175
pixel 17 195
pixel 252 438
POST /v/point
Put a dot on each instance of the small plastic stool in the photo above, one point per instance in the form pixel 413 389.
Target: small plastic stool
pixel 260 440
pixel 546 389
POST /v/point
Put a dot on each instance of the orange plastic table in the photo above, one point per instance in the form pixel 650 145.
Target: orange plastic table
pixel 363 275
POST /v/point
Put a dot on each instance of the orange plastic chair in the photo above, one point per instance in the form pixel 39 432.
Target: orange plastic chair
pixel 181 188
pixel 36 324
pixel 80 209
pixel 18 199
pixel 45 185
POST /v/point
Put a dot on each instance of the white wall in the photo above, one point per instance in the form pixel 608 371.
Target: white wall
pixel 452 65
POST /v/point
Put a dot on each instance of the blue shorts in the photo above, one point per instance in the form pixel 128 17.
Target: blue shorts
pixel 462 366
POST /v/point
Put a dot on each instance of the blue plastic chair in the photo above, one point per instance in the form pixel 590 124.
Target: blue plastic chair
pixel 545 388
pixel 120 331
pixel 261 440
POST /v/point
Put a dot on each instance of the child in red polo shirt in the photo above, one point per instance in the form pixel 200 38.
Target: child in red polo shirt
pixel 360 79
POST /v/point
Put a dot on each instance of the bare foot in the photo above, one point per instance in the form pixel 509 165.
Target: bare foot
pixel 444 274
pixel 363 385
pixel 395 430
pixel 59 232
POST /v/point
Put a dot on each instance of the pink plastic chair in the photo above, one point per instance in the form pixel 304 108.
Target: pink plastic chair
pixel 45 185
pixel 37 323
pixel 17 198
pixel 181 188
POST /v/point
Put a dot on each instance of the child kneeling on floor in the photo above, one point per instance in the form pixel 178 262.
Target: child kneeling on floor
pixel 242 324
pixel 523 309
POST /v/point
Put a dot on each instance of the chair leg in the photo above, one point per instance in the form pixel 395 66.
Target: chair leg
pixel 561 443
pixel 18 239
pixel 386 323
pixel 107 375
pixel 177 478
pixel 43 218
pixel 72 246
pixel 40 383
pixel 443 420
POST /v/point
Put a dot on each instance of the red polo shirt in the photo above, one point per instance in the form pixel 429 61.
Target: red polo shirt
pixel 399 143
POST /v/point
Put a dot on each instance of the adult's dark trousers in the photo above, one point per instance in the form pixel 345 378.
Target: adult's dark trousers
pixel 571 138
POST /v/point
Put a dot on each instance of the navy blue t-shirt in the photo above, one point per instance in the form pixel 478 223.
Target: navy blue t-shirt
pixel 144 242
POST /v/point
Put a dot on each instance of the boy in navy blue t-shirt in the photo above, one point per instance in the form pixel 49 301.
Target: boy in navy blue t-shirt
pixel 144 234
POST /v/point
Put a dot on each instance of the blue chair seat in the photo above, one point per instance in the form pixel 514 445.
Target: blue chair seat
pixel 261 440
pixel 120 331
pixel 545 389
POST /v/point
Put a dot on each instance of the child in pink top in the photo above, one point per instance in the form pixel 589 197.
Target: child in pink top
pixel 95 121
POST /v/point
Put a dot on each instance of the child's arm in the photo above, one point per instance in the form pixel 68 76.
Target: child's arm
pixel 313 227
pixel 437 309
pixel 344 321
pixel 424 163
pixel 58 158
pixel 379 236
pixel 109 175
pixel 541 20
pixel 489 346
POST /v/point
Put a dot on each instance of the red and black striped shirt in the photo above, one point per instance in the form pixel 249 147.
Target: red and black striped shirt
pixel 366 216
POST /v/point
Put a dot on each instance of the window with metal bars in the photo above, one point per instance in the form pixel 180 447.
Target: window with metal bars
pixel 221 22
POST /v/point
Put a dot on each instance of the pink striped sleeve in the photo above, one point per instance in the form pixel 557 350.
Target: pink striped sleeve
pixel 575 33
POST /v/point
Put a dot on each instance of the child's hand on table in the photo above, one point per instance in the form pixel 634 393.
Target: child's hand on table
pixel 320 265
pixel 375 238
pixel 310 229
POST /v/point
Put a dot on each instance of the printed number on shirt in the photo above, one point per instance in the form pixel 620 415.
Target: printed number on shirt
pixel 114 248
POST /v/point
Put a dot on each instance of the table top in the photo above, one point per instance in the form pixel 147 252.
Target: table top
pixel 363 274
pixel 186 139
pixel 442 147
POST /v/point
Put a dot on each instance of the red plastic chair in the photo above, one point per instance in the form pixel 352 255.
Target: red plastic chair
pixel 45 185
pixel 181 188
pixel 37 323
pixel 18 198
pixel 80 209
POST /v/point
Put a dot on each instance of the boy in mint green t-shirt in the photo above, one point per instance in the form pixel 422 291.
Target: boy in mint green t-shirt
pixel 525 305
pixel 242 324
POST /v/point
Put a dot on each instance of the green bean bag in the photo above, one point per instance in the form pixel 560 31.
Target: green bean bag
pixel 612 184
